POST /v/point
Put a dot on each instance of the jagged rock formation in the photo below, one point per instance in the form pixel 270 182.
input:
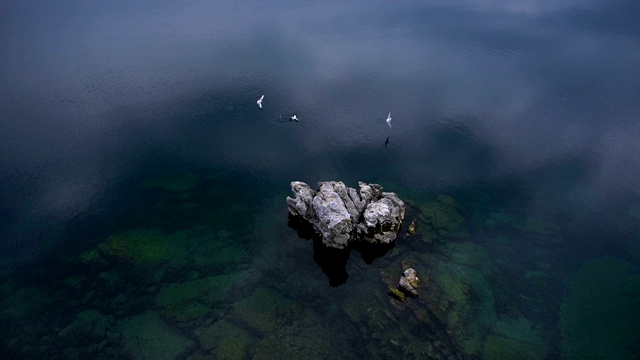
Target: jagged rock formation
pixel 341 214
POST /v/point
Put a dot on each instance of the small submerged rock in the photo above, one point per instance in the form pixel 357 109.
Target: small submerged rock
pixel 409 282
pixel 407 286
pixel 412 228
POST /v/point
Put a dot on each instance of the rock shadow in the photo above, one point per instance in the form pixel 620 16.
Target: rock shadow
pixel 303 228
pixel 371 252
pixel 333 262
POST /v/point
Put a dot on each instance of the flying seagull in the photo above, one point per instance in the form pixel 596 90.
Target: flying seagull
pixel 294 118
pixel 259 102
pixel 389 119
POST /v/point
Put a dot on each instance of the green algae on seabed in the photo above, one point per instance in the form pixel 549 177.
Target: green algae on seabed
pixel 599 319
pixel 226 341
pixel 397 294
pixel 390 328
pixel 191 301
pixel 501 348
pixel 285 329
pixel 304 336
pixel 458 295
pixel 514 339
pixel 90 335
pixel 92 258
pixel 217 252
pixel 264 308
pixel 443 217
pixel 146 336
pixel 141 248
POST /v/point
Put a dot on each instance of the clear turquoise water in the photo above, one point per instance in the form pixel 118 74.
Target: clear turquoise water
pixel 143 191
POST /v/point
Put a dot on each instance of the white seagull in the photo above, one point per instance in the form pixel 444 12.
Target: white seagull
pixel 389 119
pixel 260 101
pixel 294 118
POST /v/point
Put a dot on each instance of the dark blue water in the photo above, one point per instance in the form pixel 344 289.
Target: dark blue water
pixel 143 212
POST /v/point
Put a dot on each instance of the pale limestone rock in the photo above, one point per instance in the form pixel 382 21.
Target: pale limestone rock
pixel 341 214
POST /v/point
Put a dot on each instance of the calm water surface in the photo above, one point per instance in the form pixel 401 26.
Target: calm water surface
pixel 143 213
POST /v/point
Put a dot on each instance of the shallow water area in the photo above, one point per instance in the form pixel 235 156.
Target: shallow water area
pixel 143 211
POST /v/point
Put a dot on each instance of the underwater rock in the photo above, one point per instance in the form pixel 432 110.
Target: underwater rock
pixel 89 326
pixel 514 339
pixel 265 310
pixel 397 294
pixel 409 282
pixel 92 335
pixel 146 336
pixel 412 228
pixel 342 215
pixel 499 347
pixel 226 341
pixel 190 302
pixel 443 218
pixel 138 248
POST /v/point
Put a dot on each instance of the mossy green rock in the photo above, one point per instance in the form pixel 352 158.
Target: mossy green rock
pixel 264 308
pixel 140 248
pixel 226 341
pixel 515 339
pixel 397 294
pixel 88 325
pixel 306 335
pixel 601 317
pixel 146 336
pixel 92 258
pixel 192 300
pixel 216 253
pixel 504 348
pixel 443 214
pixel 460 298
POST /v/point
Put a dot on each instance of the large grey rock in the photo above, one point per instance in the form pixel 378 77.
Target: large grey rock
pixel 333 219
pixel 342 214
pixel 382 219
pixel 301 204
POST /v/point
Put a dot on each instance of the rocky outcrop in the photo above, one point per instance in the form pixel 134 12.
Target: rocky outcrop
pixel 341 214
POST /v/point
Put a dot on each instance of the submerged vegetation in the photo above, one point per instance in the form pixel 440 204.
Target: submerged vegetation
pixel 601 317
pixel 234 285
